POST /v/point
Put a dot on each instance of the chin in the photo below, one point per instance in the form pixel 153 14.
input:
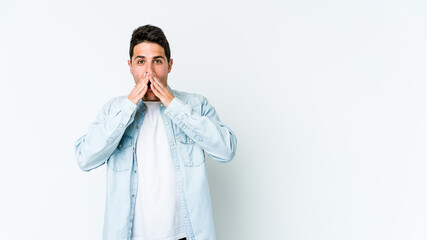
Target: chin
pixel 150 97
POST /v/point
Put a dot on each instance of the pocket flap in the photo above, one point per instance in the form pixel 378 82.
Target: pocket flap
pixel 183 138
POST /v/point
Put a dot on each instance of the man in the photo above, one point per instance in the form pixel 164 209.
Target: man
pixel 153 142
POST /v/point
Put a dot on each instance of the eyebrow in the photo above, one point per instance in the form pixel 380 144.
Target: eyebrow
pixel 155 57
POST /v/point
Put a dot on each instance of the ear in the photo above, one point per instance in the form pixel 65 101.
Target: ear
pixel 130 66
pixel 170 65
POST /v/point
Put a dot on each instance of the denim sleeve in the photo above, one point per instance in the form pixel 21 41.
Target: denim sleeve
pixel 94 148
pixel 205 128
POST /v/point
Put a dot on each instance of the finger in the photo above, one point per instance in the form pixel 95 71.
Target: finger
pixel 143 91
pixel 142 79
pixel 155 89
pixel 149 78
pixel 153 84
pixel 158 84
pixel 161 87
pixel 142 84
pixel 145 81
pixel 156 79
pixel 138 91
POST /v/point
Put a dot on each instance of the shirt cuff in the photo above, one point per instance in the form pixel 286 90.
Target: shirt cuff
pixel 174 108
pixel 128 106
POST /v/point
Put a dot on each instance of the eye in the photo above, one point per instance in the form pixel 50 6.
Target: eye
pixel 157 61
pixel 140 61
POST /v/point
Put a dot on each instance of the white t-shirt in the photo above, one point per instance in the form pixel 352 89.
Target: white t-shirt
pixel 157 210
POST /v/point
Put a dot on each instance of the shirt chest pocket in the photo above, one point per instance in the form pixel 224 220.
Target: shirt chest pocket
pixel 121 158
pixel 190 153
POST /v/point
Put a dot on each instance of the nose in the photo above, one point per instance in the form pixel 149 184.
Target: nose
pixel 149 67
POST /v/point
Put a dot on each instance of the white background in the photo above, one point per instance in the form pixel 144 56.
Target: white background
pixel 327 99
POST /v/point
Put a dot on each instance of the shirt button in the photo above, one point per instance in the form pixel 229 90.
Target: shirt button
pixel 131 108
pixel 120 145
pixel 121 125
pixel 177 167
pixel 166 123
pixel 133 195
pixel 185 216
pixel 172 144
pixel 161 104
pixel 134 171
pixel 184 126
pixel 137 127
pixel 191 140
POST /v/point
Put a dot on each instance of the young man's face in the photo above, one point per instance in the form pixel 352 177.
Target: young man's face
pixel 149 57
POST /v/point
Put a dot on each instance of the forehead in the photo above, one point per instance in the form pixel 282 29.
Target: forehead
pixel 148 49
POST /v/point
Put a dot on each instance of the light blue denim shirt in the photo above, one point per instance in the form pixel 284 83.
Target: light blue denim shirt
pixel 193 128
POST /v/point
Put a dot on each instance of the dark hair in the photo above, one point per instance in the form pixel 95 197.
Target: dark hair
pixel 149 33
